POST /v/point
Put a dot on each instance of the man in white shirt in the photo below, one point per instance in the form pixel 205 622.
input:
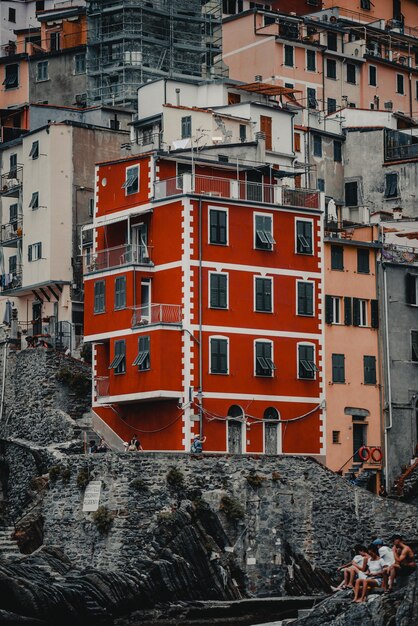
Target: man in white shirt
pixel 387 556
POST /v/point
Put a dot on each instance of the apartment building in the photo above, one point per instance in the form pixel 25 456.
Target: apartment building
pixel 352 365
pixel 203 301
pixel 47 195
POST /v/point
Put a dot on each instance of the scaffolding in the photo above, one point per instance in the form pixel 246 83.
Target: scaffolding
pixel 131 42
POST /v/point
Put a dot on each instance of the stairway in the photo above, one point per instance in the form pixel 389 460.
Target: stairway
pixel 8 546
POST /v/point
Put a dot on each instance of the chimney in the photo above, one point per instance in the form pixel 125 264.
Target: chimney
pixel 178 97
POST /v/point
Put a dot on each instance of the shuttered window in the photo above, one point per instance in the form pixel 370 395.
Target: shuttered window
pixel 305 298
pixel 143 358
pixel 306 362
pixel 99 296
pixel 304 239
pixel 263 295
pixel 120 292
pixel 118 365
pixel 263 226
pixel 363 265
pixel 369 363
pixel 391 185
pixel 338 368
pixel 414 345
pixel 218 291
pixel 217 227
pixel 264 365
pixel 218 356
pixel 337 257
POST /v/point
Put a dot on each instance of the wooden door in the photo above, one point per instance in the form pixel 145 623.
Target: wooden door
pixel 265 127
pixel 234 437
pixel 271 439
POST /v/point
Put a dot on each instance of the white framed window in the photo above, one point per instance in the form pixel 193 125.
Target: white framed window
pixel 263 231
pixel 217 225
pixel 264 358
pixel 218 354
pixel 35 251
pixel 336 309
pixel 263 294
pixel 306 361
pixel 131 184
pixel 363 312
pixel 218 290
pixel 42 71
pixel 304 236
pixel 305 297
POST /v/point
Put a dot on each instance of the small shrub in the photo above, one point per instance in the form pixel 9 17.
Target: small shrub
pixel 54 472
pixel 175 478
pixel 78 381
pixel 255 480
pixel 103 520
pixel 65 474
pixel 138 484
pixel 232 508
pixel 82 478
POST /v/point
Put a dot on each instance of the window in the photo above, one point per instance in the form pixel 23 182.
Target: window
pixel 400 87
pixel 263 232
pixel 331 105
pixel 331 69
pixel 338 151
pixel 351 193
pixel 233 98
pixel 337 257
pixel 311 98
pixel 55 42
pixel 338 368
pixel 34 202
pixel 118 365
pixel 317 145
pixel 13 214
pixel 13 264
pixel 34 151
pixel 288 56
pixel 363 263
pixel 359 312
pixel 263 353
pixel 391 185
pixel 13 166
pixel 372 75
pixel 35 252
pixel 120 292
pixel 40 5
pixel 296 141
pixel 305 298
pixel 42 71
pixel 351 73
pixel 218 290
pixel 11 76
pixel 99 296
pixel 411 284
pixel 218 355
pixel 263 295
pixel 80 63
pixel 91 207
pixel 336 436
pixel 131 184
pixel 242 133
pixel 332 41
pixel 304 238
pixel 306 361
pixel 186 127
pixel 332 310
pixel 311 60
pixel 321 184
pixel 414 345
pixel 12 15
pixel 374 313
pixel 365 4
pixel 416 90
pixel 369 364
pixel 143 359
pixel 218 227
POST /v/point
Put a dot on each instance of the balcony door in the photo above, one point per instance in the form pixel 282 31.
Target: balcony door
pixel 146 301
pixel 139 239
pixel 235 428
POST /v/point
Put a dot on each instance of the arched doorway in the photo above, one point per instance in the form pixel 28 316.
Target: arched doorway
pixel 235 428
pixel 272 438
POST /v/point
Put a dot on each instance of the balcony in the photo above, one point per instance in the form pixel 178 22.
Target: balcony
pixel 11 234
pixel 400 254
pixel 118 256
pixel 157 314
pixel 102 386
pixel 237 190
pixel 11 182
pixel 400 146
pixel 11 281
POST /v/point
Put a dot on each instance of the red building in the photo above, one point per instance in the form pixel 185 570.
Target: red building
pixel 203 296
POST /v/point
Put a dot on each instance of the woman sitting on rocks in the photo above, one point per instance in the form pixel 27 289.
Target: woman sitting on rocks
pixel 354 569
pixel 373 578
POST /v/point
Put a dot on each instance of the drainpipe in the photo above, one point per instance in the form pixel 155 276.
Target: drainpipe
pixel 410 93
pixel 389 394
pixel 200 390
pixel 3 383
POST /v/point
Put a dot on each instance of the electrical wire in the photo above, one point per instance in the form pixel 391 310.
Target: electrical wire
pixel 146 432
pixel 210 416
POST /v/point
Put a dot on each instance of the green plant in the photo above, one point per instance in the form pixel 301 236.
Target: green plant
pixel 78 381
pixel 54 472
pixel 138 484
pixel 82 478
pixel 175 478
pixel 65 474
pixel 255 480
pixel 232 508
pixel 103 520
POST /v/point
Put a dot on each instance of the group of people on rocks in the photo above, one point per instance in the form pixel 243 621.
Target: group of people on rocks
pixel 376 566
pixel 95 448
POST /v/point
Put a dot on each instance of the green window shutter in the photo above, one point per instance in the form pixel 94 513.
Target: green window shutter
pixel 328 310
pixel 374 305
pixel 348 317
pixel 356 312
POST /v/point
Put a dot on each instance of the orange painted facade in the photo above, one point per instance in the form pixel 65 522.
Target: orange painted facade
pixel 161 403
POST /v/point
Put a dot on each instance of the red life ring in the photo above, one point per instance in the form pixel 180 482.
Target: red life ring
pixel 364 453
pixel 377 454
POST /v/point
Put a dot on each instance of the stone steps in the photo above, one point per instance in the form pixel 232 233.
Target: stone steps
pixel 8 546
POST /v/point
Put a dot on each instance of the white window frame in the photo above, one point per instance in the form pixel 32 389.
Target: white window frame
pixel 44 63
pixel 212 207
pixel 271 216
pixel 270 278
pixel 336 300
pixel 400 93
pixel 304 219
pixel 305 343
pixel 146 282
pixel 363 312
pixel 36 251
pixel 216 308
pixel 210 355
pixel 311 282
pixel 131 167
pixel 261 340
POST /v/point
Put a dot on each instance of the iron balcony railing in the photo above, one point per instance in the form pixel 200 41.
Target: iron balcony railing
pixel 102 386
pixel 11 280
pixel 238 190
pixel 11 181
pixel 118 256
pixel 156 314
pixel 11 233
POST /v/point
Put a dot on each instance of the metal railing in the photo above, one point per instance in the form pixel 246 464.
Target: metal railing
pixel 12 180
pixel 11 232
pixel 156 314
pixel 126 254
pixel 102 386
pixel 11 280
pixel 399 254
pixel 236 189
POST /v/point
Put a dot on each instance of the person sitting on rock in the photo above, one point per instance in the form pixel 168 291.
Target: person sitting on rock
pixel 102 447
pixel 386 554
pixel 355 569
pixel 373 577
pixel 92 447
pixel 404 560
pixel 134 444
